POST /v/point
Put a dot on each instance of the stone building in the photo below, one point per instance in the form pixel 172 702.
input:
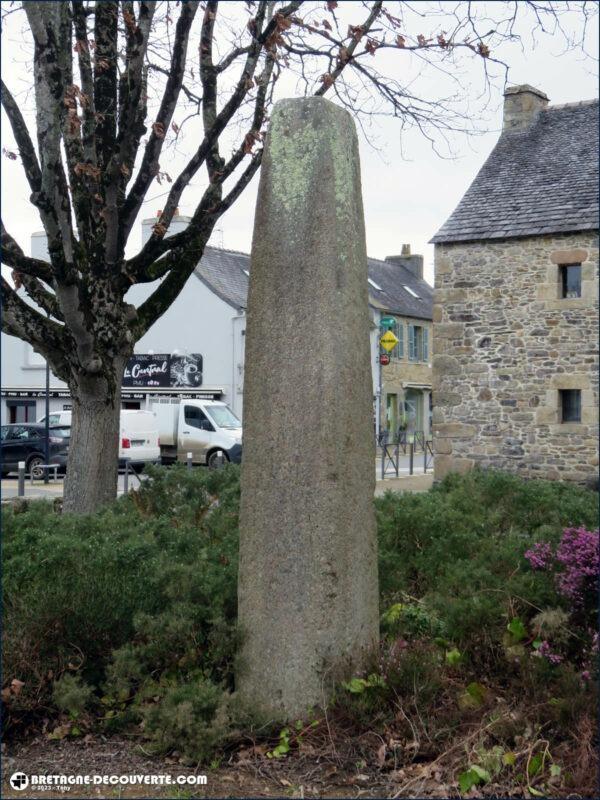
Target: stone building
pixel 515 365
pixel 401 301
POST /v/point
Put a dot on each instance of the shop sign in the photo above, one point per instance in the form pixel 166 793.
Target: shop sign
pixel 162 370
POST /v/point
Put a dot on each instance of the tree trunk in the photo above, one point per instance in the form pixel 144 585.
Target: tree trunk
pixel 92 469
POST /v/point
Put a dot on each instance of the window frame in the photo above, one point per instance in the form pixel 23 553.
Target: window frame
pixel 563 273
pixel 563 395
pixel 415 342
pixel 398 330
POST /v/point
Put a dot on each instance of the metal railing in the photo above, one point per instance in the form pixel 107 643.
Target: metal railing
pixel 403 438
pixel 390 453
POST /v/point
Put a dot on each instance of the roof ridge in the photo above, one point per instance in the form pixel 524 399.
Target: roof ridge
pixel 575 104
pixel 227 250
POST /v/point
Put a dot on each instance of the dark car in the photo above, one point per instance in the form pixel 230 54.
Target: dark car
pixel 27 442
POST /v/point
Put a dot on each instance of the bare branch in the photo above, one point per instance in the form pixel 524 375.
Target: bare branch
pixel 155 247
pixel 27 152
pixel 39 294
pixel 47 23
pixel 13 256
pixel 22 320
pixel 149 166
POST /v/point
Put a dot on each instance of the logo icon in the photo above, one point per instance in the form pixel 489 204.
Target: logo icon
pixel 19 781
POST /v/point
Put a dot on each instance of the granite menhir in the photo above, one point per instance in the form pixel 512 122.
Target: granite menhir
pixel 308 597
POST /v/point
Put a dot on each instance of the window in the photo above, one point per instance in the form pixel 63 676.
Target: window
pixel 425 344
pixel 570 277
pixel 224 417
pixel 418 343
pixel 374 285
pixel 570 405
pixel 195 417
pixel 21 410
pixel 398 331
pixel 411 292
pixel 19 433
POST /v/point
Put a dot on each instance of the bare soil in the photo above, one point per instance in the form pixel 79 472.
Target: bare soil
pixel 248 773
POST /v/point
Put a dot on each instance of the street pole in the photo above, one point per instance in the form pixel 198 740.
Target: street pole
pixel 379 392
pixel 47 423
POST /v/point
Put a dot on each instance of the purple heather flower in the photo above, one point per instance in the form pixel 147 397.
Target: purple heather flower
pixel 540 555
pixel 578 553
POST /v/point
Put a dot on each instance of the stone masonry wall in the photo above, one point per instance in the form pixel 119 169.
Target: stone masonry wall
pixel 505 343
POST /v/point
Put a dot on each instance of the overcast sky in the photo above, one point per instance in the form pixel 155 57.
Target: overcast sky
pixel 408 190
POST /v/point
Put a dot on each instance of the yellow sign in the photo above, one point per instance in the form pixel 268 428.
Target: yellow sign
pixel 388 341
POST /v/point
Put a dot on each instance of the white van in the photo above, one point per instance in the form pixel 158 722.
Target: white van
pixel 138 438
pixel 138 435
pixel 208 429
pixel 57 418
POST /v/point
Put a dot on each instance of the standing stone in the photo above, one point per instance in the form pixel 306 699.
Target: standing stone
pixel 308 597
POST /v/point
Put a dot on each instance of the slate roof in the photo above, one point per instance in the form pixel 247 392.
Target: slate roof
pixel 393 296
pixel 543 179
pixel 224 272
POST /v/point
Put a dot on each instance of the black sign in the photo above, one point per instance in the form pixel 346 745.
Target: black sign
pixel 147 370
pixel 163 370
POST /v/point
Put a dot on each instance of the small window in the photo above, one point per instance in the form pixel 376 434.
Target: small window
pixel 418 343
pixel 398 331
pixel 570 275
pixel 21 433
pixel 411 292
pixel 570 405
pixel 195 417
pixel 425 352
pixel 374 285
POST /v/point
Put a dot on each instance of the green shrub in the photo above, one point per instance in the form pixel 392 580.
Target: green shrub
pixel 190 717
pixel 459 550
pixel 71 695
pixel 146 586
pixel 133 610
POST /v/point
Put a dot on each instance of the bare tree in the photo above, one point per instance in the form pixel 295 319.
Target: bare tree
pixel 108 77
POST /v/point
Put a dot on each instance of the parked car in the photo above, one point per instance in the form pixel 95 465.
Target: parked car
pixel 27 442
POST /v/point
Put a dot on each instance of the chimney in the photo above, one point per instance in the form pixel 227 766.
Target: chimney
pixel 522 105
pixel 178 223
pixel 413 264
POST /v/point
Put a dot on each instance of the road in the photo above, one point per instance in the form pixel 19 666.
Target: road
pixel 9 487
pixel 53 489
